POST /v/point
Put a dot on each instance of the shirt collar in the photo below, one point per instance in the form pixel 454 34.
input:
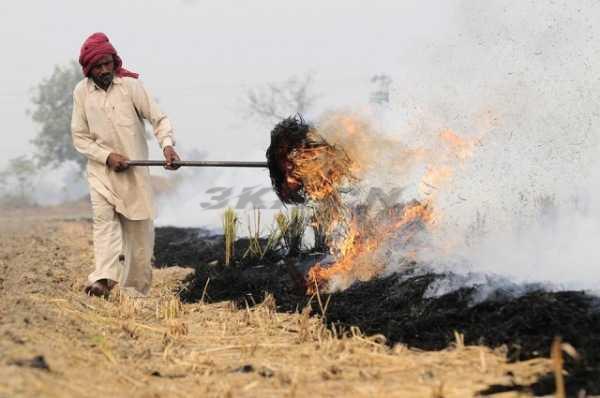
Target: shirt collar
pixel 93 86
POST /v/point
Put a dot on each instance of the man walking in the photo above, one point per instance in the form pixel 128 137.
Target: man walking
pixel 107 127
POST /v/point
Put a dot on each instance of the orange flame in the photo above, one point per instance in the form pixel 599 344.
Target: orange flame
pixel 325 170
pixel 357 250
pixel 322 170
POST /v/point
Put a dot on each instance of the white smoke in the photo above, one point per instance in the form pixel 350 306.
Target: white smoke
pixel 199 196
pixel 48 186
pixel 522 78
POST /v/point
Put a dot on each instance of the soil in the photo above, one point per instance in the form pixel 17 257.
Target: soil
pixel 239 340
pixel 398 308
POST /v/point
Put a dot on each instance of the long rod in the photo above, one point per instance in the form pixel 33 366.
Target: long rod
pixel 197 163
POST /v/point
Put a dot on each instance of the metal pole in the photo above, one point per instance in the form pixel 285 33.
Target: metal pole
pixel 197 163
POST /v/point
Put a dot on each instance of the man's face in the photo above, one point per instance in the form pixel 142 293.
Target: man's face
pixel 103 71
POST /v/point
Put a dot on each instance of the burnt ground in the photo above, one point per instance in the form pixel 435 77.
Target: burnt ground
pixel 398 307
pixel 194 246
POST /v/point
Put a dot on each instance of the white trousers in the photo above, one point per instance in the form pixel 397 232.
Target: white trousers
pixel 123 248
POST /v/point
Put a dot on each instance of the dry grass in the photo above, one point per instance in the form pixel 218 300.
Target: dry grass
pixel 291 229
pixel 556 354
pixel 160 347
pixel 256 248
pixel 230 233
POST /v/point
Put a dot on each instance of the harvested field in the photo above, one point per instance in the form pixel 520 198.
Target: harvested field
pixel 399 308
pixel 249 332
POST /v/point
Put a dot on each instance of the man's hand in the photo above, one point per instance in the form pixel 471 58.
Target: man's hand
pixel 117 162
pixel 170 156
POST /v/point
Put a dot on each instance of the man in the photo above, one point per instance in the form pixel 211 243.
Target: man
pixel 107 127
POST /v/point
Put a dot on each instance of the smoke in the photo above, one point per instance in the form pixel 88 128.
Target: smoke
pixel 519 83
pixel 522 81
pixel 54 186
pixel 47 186
pixel 200 196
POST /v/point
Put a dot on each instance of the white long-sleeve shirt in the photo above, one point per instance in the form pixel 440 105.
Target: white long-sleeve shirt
pixel 112 121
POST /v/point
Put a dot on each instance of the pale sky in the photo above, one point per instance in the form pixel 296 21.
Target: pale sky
pixel 199 57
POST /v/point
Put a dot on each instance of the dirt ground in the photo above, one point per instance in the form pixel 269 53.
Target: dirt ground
pixel 56 342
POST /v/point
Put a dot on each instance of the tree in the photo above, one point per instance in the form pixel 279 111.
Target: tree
pixel 20 172
pixel 276 101
pixel 53 100
pixel 381 94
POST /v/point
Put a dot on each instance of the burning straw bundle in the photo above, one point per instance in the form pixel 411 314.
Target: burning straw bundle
pixel 306 169
pixel 303 166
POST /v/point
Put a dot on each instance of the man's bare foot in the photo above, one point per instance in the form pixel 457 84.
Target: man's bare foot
pixel 100 288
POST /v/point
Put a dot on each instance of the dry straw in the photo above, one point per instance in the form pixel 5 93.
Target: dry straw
pixel 257 247
pixel 556 356
pixel 291 227
pixel 169 307
pixel 230 232
pixel 254 248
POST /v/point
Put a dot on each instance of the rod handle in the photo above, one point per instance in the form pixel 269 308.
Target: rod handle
pixel 197 163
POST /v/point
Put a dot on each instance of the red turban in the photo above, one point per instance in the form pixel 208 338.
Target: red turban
pixel 95 47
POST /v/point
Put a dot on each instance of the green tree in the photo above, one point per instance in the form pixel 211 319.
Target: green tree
pixel 53 106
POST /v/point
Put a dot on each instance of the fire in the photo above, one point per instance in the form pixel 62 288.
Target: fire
pixel 362 242
pixel 303 166
pixel 335 157
pixel 322 169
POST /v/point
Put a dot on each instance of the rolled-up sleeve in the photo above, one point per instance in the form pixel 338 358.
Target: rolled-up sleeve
pixel 163 131
pixel 82 138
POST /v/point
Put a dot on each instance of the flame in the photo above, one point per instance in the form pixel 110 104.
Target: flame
pixel 369 148
pixel 322 170
pixel 358 241
pixel 358 250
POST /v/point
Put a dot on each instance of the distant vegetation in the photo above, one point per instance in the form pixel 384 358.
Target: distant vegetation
pixel 277 101
pixel 16 182
pixel 52 107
